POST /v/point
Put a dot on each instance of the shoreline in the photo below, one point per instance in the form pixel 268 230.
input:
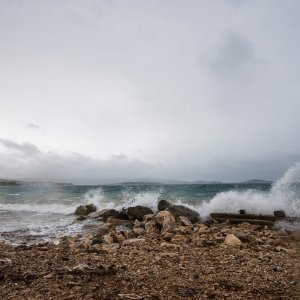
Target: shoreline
pixel 158 258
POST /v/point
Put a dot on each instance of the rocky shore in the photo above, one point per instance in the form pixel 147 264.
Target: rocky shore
pixel 166 255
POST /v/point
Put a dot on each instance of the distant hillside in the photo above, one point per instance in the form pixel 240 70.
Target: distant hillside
pixel 256 181
pixel 9 182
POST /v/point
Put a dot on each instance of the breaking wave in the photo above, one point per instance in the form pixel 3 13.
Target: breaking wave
pixel 284 195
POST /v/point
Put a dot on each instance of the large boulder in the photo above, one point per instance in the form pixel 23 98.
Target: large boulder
pixel 179 210
pixel 138 212
pixel 85 209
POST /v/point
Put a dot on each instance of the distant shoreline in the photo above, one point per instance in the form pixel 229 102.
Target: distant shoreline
pixel 13 182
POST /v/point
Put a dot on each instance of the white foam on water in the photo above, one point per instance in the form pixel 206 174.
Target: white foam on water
pixel 40 208
pixel 284 195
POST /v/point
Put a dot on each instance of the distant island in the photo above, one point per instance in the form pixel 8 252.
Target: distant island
pixel 10 182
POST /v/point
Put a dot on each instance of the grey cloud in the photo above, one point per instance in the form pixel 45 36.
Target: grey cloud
pixel 32 126
pixel 235 57
pixel 24 148
pixel 30 162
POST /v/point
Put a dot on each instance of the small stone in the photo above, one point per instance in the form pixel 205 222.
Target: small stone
pixel 133 242
pixel 130 296
pixel 232 240
pixel 111 248
pixel 148 217
pixel 171 246
pixel 139 231
pixel 105 228
pixel 5 262
pixel 179 239
pixel 108 239
pixel 117 238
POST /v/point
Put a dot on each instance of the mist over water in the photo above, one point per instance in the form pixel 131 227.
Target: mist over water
pixel 47 211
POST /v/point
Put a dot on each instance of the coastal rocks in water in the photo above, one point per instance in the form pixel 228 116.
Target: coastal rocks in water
pixel 104 214
pixel 85 209
pixel 232 241
pixel 179 210
pixel 138 212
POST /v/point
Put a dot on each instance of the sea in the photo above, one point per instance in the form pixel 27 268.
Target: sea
pixel 45 212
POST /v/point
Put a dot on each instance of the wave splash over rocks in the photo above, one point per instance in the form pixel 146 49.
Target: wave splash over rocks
pixel 49 211
pixel 284 194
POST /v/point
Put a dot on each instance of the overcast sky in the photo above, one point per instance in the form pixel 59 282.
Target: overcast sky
pixel 171 89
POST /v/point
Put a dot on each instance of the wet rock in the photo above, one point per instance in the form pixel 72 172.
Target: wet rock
pixel 232 240
pixel 138 212
pixel 84 210
pixel 163 205
pixel 81 218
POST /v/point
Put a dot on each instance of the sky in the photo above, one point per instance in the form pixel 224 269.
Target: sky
pixel 173 89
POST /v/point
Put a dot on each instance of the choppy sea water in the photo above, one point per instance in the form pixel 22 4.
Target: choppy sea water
pixel 46 212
